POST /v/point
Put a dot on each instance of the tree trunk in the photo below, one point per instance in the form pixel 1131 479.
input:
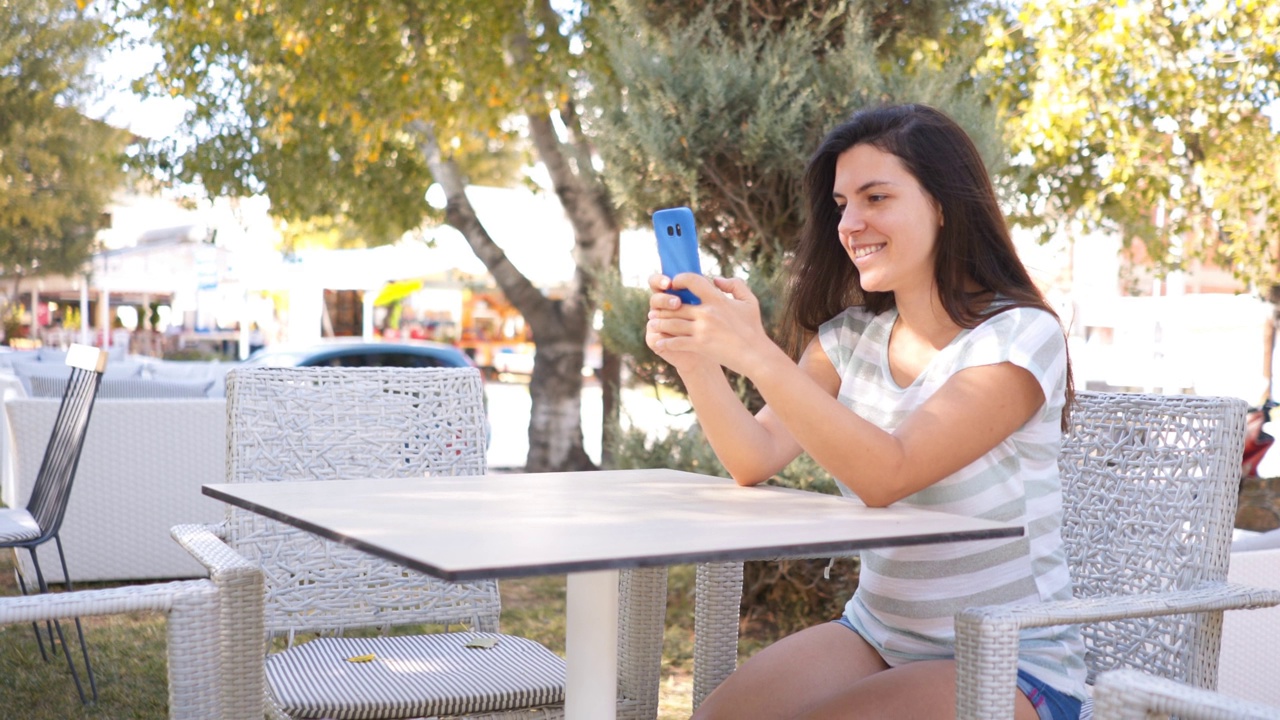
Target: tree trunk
pixel 559 330
pixel 559 327
pixel 611 406
pixel 555 421
pixel 1269 342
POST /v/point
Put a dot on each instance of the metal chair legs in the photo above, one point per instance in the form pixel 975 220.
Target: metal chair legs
pixel 55 627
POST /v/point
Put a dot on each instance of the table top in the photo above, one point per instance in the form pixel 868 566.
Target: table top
pixel 497 526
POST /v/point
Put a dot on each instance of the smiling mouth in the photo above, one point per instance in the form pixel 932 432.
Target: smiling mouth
pixel 864 251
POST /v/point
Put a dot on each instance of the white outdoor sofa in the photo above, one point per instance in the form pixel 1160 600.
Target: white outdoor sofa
pixel 140 474
pixel 1246 668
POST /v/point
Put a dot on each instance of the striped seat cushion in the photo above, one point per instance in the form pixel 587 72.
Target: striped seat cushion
pixel 414 676
pixel 17 525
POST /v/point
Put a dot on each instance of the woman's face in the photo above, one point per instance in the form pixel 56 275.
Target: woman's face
pixel 888 223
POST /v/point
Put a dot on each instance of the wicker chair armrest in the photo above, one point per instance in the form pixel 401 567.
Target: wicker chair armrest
pixel 1131 695
pixel 195 670
pixel 1211 597
pixel 987 637
pixel 207 544
pixel 242 631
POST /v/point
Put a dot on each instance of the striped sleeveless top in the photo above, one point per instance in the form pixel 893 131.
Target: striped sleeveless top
pixel 907 597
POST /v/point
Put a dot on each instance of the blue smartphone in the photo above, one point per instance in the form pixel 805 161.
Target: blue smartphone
pixel 678 246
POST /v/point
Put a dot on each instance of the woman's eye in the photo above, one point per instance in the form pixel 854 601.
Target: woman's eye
pixel 876 198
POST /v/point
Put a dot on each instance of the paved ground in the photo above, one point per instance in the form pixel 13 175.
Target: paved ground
pixel 509 419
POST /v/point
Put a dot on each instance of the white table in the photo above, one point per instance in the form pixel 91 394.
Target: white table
pixel 588 525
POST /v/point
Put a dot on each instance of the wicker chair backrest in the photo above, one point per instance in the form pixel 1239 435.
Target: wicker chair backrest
pixel 1150 486
pixel 341 423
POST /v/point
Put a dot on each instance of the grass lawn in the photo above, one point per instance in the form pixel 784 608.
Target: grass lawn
pixel 128 653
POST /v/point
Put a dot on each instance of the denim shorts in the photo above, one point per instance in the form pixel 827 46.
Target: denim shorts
pixel 1050 703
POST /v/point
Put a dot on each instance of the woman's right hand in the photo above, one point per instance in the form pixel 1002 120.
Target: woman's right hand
pixel 663 306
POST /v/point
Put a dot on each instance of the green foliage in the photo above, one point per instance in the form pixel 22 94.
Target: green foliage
pixel 1147 117
pixel 57 168
pixel 898 25
pixel 44 48
pixel 622 332
pixel 723 118
pixel 321 105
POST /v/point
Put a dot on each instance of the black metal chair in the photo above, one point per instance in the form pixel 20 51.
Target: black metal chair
pixel 40 521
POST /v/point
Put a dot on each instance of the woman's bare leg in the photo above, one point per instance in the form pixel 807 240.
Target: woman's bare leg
pixel 829 672
pixel 923 689
pixel 795 675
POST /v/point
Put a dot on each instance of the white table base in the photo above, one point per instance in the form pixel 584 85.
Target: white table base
pixel 591 646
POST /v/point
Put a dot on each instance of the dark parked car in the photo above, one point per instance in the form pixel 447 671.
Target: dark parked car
pixel 356 352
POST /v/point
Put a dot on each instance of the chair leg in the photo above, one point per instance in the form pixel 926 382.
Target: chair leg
pixel 57 626
pixel 35 626
pixel 84 646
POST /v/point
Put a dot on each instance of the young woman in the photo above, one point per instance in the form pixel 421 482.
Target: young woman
pixel 931 373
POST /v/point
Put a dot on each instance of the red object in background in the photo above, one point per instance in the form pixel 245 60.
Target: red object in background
pixel 1256 442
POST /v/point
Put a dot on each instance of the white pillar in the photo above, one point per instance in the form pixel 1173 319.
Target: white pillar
pixel 591 646
pixel 366 328
pixel 104 316
pixel 246 319
pixel 34 332
pixel 84 311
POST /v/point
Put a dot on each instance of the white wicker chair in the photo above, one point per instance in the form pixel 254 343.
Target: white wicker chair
pixel 328 423
pixel 1150 486
pixel 195 679
pixel 1131 695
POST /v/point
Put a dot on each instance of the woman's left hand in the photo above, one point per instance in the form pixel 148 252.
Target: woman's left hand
pixel 725 327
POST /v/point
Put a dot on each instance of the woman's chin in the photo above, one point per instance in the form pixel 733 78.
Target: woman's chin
pixel 871 283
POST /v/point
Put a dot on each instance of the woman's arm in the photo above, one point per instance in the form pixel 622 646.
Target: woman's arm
pixel 972 413
pixel 753 448
pixel 975 410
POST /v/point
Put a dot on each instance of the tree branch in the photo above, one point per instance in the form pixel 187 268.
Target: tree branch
pixel 461 215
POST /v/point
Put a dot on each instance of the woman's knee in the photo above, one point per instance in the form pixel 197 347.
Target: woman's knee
pixel 795 673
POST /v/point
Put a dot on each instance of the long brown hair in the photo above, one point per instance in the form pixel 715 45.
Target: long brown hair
pixel 973 246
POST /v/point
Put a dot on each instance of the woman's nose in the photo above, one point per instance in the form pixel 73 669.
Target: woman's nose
pixel 851 222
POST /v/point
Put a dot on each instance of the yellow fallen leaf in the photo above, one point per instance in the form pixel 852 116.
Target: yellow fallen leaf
pixel 362 658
